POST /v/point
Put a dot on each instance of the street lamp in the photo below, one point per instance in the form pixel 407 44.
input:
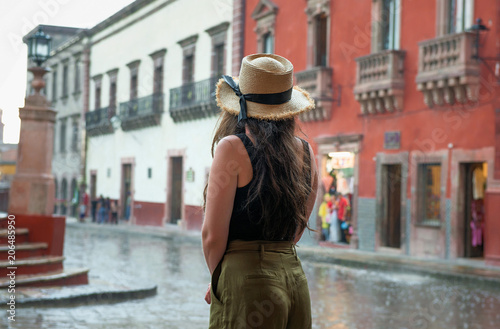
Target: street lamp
pixel 39 45
pixel 34 176
pixel 480 29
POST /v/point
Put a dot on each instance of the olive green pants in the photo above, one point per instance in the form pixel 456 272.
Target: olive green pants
pixel 260 284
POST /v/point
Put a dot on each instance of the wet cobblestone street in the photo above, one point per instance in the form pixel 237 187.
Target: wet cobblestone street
pixel 341 297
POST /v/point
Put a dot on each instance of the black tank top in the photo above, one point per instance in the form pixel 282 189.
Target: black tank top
pixel 242 225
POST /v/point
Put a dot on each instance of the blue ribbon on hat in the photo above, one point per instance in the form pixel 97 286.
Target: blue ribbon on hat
pixel 270 99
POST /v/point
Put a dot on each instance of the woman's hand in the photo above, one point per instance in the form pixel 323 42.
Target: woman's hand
pixel 208 297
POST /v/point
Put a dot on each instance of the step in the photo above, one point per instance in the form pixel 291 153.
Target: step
pixel 64 277
pixel 20 233
pixel 24 250
pixel 34 265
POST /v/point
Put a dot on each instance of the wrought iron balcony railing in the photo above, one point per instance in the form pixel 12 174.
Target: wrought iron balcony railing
pixel 318 82
pixel 380 81
pixel 141 112
pixel 193 100
pixel 447 69
pixel 98 122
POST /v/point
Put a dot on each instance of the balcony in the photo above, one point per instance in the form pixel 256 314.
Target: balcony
pixel 194 100
pixel 98 122
pixel 141 112
pixel 317 81
pixel 380 82
pixel 447 71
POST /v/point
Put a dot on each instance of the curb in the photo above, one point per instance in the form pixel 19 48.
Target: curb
pixel 100 297
pixel 395 265
pixel 176 235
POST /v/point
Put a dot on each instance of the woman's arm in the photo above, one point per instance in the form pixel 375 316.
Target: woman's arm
pixel 222 185
pixel 312 197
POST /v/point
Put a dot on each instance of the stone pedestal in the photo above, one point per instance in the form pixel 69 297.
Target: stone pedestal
pixel 32 190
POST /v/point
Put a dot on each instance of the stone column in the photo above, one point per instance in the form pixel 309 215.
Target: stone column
pixel 32 190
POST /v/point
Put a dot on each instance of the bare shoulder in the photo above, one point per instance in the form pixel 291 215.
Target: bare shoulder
pixel 229 147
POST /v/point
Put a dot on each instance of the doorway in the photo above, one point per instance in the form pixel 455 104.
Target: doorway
pixel 473 207
pixel 126 197
pixel 176 189
pixel 391 217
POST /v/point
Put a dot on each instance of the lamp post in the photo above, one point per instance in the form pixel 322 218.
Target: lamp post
pixel 480 29
pixel 32 189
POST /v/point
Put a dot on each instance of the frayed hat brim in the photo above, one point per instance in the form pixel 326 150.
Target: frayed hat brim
pixel 228 101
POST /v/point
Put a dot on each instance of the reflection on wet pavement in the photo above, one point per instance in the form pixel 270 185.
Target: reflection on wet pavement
pixel 341 297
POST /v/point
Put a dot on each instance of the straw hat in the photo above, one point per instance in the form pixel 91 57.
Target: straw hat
pixel 265 88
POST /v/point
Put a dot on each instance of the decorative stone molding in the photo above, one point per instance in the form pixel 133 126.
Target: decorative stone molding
pixel 218 29
pixel 265 15
pixel 447 72
pixel 380 82
pixel 191 40
pixel 318 82
pixel 158 56
pixel 316 7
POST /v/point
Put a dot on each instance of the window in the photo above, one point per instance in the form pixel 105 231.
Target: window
pixel 320 39
pixel 158 79
pixel 74 135
pixel 264 15
pixel 62 136
pixel 77 76
pixel 112 95
pixel 188 69
pixel 158 58
pixel 134 73
pixel 133 85
pixel 460 15
pixel 429 193
pixel 188 51
pixel 97 104
pixel 390 24
pixel 65 81
pixel 218 34
pixel 150 172
pixel 113 75
pixel 219 60
pixel 268 43
pixel 97 91
pixel 54 84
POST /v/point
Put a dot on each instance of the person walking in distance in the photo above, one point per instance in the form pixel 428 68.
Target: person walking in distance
pixel 341 215
pixel 260 194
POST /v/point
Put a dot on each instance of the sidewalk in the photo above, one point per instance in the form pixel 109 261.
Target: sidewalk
pixel 459 270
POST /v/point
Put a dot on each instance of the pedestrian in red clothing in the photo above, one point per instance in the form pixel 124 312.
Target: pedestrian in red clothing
pixel 84 206
pixel 342 206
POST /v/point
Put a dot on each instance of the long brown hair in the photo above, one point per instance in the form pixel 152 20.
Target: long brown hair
pixel 281 184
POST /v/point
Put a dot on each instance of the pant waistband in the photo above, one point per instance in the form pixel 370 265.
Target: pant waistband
pixel 261 246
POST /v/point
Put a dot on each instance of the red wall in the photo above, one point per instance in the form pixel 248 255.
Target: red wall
pixel 424 129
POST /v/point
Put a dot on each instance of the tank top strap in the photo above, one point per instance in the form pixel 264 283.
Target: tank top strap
pixel 248 146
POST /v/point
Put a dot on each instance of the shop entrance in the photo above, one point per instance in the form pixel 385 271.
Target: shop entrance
pixel 391 217
pixel 176 189
pixel 473 207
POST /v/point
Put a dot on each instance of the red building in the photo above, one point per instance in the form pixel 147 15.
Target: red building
pixel 407 117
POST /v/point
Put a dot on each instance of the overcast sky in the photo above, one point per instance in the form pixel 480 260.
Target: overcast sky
pixel 21 16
